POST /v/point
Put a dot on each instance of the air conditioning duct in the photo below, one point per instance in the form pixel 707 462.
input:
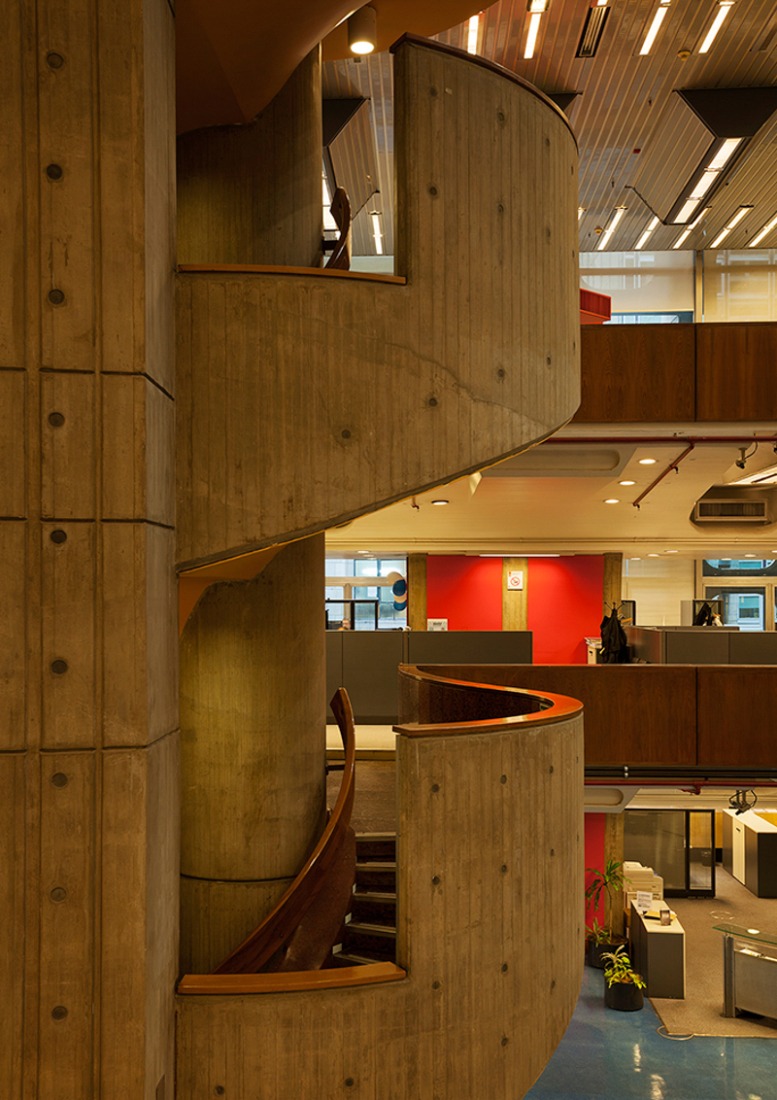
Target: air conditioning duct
pixel 725 505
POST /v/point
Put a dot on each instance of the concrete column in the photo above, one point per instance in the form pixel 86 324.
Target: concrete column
pixel 416 591
pixel 612 582
pixel 253 748
pixel 515 601
pixel 88 686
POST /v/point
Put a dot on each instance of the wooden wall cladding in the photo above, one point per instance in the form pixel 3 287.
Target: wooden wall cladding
pixel 736 372
pixel 671 373
pixel 306 401
pixel 633 714
pixel 736 716
pixel 633 373
pixel 483 889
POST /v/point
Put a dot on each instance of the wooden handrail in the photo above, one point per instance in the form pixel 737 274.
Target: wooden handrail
pixel 291 981
pixel 282 922
pixel 281 269
pixel 549 709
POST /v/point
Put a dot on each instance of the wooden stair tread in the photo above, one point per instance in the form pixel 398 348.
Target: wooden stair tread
pixel 367 928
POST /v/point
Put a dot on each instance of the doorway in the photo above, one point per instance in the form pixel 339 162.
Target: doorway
pixel 677 844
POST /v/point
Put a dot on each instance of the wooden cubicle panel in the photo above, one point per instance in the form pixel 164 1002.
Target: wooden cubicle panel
pixel 636 373
pixel 633 714
pixel 735 371
pixel 736 716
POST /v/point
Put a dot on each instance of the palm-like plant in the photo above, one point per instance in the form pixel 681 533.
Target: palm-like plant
pixel 607 882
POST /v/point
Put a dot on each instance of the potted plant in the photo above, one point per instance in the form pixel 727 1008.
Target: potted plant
pixel 622 984
pixel 602 938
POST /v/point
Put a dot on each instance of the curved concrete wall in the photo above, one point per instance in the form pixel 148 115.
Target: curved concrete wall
pixel 306 401
pixel 490 931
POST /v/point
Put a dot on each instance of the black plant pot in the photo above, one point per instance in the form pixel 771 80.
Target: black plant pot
pixel 623 996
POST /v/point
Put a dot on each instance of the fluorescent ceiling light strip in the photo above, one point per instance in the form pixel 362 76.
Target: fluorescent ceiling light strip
pixel 731 225
pixel 760 236
pixel 723 9
pixel 376 233
pixel 646 235
pixel 709 176
pixel 724 154
pixel 650 37
pixel 472 33
pixel 618 214
pixel 689 229
pixel 531 37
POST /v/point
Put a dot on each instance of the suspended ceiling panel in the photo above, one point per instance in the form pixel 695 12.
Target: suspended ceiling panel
pixel 630 130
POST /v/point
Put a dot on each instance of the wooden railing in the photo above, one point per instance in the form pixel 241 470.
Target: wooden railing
pixel 280 925
pixel 696 722
pixel 293 981
pixel 434 695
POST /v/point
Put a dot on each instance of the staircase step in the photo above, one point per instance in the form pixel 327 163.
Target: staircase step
pixel 378 874
pixel 366 940
pixel 351 958
pixel 377 906
pixel 376 846
pixel 367 928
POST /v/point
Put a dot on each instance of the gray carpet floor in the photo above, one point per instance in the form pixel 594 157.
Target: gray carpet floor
pixel 701 1013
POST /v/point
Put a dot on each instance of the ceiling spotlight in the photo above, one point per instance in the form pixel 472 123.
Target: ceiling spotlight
pixel 362 30
pixel 647 461
pixel 440 502
pixel 612 500
pixel 627 482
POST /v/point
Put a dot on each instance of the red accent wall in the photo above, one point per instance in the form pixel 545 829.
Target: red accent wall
pixel 564 607
pixel 465 591
pixel 594 856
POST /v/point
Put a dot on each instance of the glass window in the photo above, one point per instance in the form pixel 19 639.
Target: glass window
pixel 733 567
pixel 356 603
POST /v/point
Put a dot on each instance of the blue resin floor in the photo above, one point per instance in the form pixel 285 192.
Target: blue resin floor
pixel 607 1055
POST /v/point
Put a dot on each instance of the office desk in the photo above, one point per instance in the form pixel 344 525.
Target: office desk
pixel 658 954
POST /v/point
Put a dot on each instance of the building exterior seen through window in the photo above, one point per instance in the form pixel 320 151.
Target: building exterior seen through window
pixel 366 593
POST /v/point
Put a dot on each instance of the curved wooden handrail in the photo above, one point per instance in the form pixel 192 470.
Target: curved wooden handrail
pixel 281 923
pixel 284 269
pixel 290 981
pixel 532 708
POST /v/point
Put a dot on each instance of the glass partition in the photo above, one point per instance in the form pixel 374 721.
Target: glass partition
pixel 677 844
